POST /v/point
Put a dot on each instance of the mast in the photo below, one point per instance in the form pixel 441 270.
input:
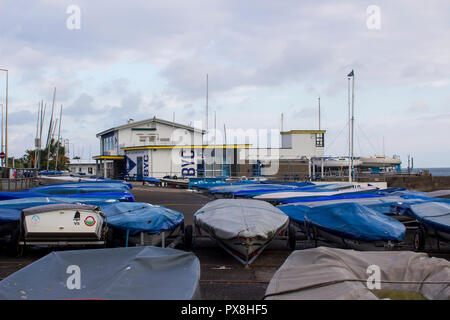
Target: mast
pixel 206 103
pixel 36 144
pixel 319 113
pixel 50 130
pixel 59 135
pixel 349 135
pixel 353 121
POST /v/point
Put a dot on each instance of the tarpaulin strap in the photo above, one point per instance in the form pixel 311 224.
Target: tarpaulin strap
pixel 323 284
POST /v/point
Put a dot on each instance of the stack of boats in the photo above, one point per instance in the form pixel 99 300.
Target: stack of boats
pixel 361 217
pixel 84 213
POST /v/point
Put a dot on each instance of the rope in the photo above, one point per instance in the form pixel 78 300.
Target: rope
pixel 331 144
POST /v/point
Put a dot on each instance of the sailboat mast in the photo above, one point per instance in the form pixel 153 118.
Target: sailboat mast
pixel 59 135
pixel 50 130
pixel 353 121
pixel 349 136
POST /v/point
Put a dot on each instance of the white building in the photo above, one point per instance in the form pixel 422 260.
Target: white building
pixel 159 148
pixel 83 167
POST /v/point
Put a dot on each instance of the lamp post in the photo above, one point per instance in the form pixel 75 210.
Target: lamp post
pixel 6 118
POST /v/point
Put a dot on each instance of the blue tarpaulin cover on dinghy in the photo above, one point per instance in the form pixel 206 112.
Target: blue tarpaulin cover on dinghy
pixel 118 195
pixel 295 212
pixel 354 221
pixel 351 195
pixel 433 214
pixel 9 215
pixel 142 217
pixel 135 273
pixel 101 183
pixel 151 180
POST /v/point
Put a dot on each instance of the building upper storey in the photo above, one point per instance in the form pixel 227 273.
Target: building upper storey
pixel 152 131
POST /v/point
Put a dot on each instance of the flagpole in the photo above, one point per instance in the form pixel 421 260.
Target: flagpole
pixel 349 135
pixel 353 121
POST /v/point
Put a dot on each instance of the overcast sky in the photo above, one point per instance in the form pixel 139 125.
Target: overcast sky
pixel 137 59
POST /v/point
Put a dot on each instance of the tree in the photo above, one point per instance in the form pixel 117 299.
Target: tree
pixel 29 158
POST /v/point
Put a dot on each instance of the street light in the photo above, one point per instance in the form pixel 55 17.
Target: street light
pixel 6 119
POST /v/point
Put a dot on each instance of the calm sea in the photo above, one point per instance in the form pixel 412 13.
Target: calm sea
pixel 437 172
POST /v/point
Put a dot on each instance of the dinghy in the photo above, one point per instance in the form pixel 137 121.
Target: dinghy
pixel 433 218
pixel 135 273
pixel 349 224
pixel 145 224
pixel 242 227
pixel 63 224
pixel 341 274
pixel 299 194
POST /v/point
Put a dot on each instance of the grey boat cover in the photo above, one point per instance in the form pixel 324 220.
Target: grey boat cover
pixel 228 219
pixel 339 274
pixel 134 273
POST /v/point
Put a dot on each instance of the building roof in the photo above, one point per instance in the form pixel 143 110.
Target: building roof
pixel 151 120
pixel 302 131
pixel 219 146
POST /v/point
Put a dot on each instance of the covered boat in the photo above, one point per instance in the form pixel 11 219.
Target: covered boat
pixel 242 227
pixel 318 192
pixel 136 273
pixel 337 274
pixel 433 218
pixel 349 224
pixel 63 224
pixel 144 224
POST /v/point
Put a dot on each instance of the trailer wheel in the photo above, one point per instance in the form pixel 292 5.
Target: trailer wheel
pixel 13 246
pixel 187 237
pixel 291 238
pixel 419 240
pixel 311 233
pixel 109 238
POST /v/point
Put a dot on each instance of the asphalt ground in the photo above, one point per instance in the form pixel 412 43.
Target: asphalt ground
pixel 222 276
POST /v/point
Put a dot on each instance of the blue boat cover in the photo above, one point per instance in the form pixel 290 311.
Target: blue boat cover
pixel 351 195
pixel 354 221
pixel 295 212
pixel 151 180
pixel 348 220
pixel 142 217
pixel 9 215
pixel 432 214
pixel 115 194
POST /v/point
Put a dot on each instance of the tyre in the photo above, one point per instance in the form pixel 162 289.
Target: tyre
pixel 187 237
pixel 419 240
pixel 13 246
pixel 291 238
pixel 109 238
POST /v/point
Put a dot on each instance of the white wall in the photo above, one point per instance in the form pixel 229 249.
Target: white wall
pixel 158 162
pixel 302 144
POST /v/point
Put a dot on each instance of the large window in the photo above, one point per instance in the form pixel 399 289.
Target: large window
pixel 108 143
pixel 320 140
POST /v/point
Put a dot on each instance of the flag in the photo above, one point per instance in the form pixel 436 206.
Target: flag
pixel 350 74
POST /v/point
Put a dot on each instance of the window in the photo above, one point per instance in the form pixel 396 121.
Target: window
pixel 90 170
pixel 320 140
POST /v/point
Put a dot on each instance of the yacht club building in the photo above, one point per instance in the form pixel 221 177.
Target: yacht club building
pixel 159 148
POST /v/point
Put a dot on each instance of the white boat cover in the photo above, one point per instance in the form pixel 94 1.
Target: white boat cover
pixel 339 274
pixel 298 194
pixel 228 219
